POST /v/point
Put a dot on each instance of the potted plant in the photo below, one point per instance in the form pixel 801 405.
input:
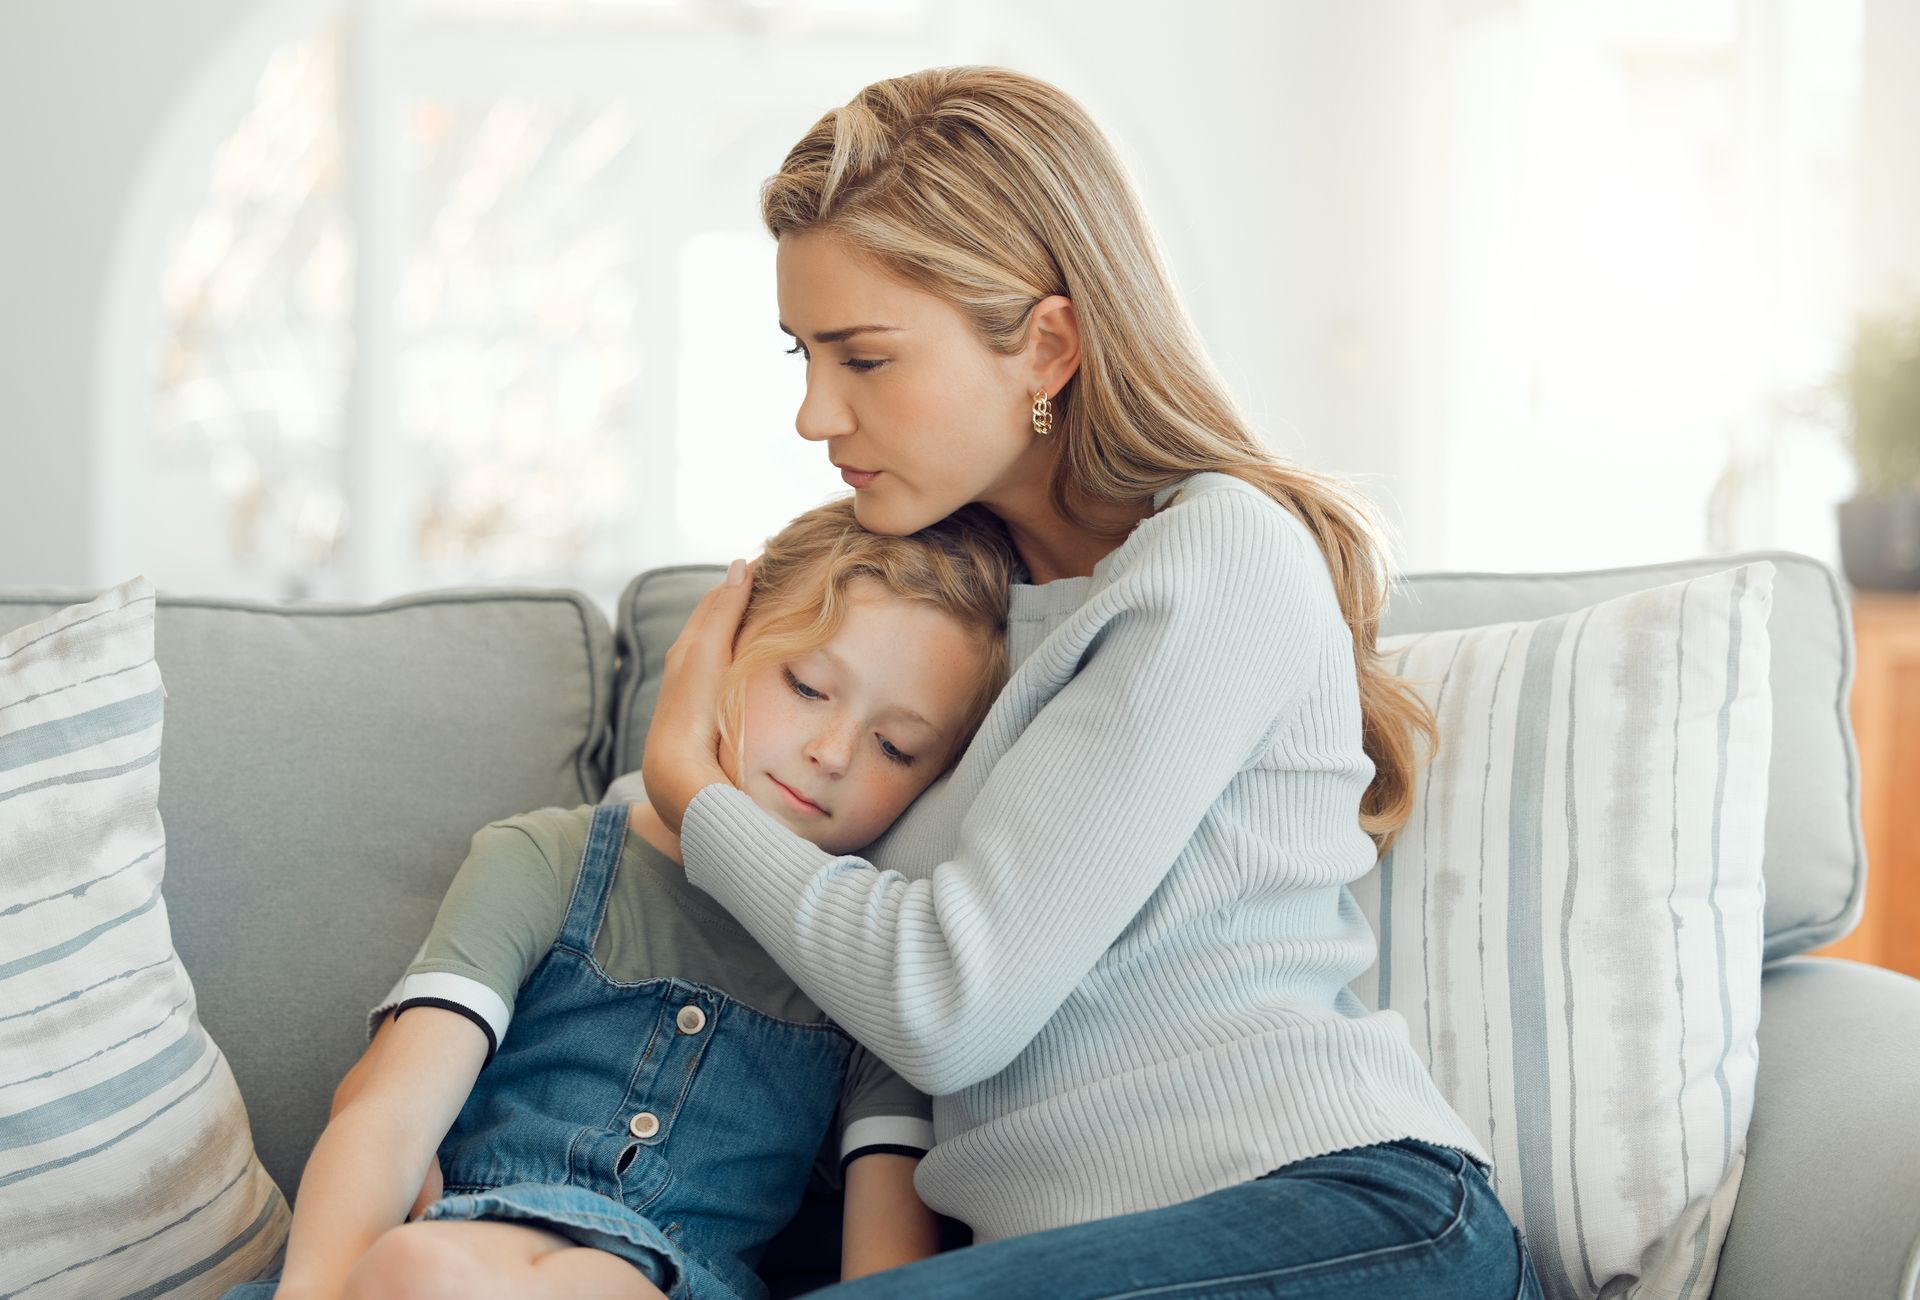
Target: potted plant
pixel 1880 526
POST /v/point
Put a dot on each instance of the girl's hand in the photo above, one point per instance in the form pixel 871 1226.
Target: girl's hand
pixel 377 1147
pixel 683 742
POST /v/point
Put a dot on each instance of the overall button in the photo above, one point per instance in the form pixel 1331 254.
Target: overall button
pixel 691 1019
pixel 644 1125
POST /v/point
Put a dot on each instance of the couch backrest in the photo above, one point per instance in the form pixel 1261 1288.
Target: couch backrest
pixel 1815 863
pixel 322 771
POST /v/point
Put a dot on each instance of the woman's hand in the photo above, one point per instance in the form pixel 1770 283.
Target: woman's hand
pixel 683 742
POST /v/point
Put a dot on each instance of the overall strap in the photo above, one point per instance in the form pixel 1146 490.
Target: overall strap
pixel 598 865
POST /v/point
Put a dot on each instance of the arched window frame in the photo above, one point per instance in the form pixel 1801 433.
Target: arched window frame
pixel 801 58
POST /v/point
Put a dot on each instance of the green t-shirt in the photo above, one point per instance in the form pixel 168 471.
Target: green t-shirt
pixel 504 911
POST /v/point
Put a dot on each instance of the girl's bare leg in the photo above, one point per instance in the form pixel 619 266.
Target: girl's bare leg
pixel 490 1261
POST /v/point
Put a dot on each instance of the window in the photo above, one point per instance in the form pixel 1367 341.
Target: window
pixel 477 293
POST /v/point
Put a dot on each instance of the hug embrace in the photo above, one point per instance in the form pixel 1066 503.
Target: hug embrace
pixel 991 853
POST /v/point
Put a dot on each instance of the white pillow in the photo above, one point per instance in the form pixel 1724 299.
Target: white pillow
pixel 126 1162
pixel 1571 921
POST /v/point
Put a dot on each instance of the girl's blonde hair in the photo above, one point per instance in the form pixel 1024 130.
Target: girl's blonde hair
pixel 960 566
pixel 993 190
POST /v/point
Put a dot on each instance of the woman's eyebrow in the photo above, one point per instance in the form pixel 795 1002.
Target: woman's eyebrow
pixel 842 335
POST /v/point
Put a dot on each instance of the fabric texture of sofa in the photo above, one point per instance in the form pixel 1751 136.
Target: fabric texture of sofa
pixel 325 766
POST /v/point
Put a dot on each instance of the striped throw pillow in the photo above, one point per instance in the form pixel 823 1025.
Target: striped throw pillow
pixel 126 1163
pixel 1571 920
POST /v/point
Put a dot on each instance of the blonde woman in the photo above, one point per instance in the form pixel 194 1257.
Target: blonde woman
pixel 1114 943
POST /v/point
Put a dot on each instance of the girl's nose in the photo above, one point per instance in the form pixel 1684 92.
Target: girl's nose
pixel 831 749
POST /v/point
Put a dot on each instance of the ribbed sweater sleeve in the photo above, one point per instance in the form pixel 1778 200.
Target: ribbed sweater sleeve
pixel 1168 681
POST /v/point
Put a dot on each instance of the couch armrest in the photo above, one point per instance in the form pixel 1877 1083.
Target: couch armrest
pixel 1830 1201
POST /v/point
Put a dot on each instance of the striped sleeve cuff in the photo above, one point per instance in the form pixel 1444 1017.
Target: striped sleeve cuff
pixel 459 994
pixel 904 1135
pixel 384 1005
pixel 392 999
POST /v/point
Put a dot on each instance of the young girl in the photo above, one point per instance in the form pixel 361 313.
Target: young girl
pixel 1116 943
pixel 625 1092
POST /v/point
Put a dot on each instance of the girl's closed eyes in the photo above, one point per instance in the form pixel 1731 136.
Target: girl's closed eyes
pixel 807 692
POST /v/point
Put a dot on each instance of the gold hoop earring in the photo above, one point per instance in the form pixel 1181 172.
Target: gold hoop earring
pixel 1042 413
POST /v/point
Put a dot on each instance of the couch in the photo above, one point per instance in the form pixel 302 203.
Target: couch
pixel 325 765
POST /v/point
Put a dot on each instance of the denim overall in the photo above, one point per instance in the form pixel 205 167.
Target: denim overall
pixel 661 1121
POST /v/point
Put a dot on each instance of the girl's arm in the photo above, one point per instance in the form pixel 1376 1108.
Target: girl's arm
pixel 355 1079
pixel 377 1148
pixel 886 1223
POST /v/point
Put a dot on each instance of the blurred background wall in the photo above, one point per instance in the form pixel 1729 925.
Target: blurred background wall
pixel 339 299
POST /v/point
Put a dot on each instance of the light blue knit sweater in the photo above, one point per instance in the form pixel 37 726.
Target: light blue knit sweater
pixel 1115 941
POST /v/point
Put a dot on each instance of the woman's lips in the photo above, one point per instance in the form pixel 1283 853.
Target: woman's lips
pixel 802 805
pixel 859 478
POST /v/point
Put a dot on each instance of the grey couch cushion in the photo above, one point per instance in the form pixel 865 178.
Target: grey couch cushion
pixel 1815 864
pixel 322 772
pixel 1830 1198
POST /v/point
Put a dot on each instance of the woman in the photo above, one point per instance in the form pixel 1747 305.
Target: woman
pixel 1115 942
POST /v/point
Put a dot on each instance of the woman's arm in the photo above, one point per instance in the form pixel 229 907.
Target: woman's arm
pixel 886 1223
pixel 1222 628
pixel 377 1147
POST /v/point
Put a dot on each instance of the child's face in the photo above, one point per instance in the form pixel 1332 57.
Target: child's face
pixel 826 731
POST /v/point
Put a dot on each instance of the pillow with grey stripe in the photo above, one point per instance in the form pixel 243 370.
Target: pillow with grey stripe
pixel 1571 920
pixel 126 1162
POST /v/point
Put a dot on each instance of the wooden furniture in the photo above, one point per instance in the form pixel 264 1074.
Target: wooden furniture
pixel 1886 725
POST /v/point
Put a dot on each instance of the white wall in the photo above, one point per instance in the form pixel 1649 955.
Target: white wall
pixel 83 87
pixel 1270 139
pixel 1267 137
pixel 1888 266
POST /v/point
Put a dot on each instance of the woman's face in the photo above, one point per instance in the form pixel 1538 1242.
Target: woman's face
pixel 840 740
pixel 899 384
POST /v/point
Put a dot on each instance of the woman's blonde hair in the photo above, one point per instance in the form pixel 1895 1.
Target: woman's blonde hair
pixel 993 190
pixel 961 566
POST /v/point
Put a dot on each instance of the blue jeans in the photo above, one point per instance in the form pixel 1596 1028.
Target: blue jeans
pixel 1399 1219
